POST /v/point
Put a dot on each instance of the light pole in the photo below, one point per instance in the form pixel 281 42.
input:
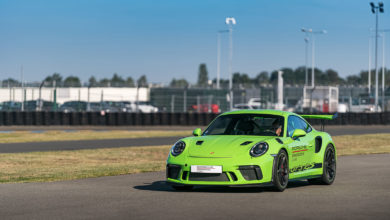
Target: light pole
pixel 383 65
pixel 306 60
pixel 22 86
pixel 376 10
pixel 306 54
pixel 312 33
pixel 383 70
pixel 230 21
pixel 369 66
pixel 219 56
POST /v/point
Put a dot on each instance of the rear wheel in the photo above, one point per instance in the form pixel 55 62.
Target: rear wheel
pixel 182 187
pixel 329 167
pixel 280 174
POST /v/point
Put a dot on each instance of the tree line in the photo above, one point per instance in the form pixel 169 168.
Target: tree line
pixel 73 81
pixel 291 77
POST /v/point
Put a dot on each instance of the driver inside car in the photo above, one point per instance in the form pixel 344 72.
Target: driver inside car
pixel 277 127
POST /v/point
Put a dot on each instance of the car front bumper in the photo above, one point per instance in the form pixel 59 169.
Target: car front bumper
pixel 256 171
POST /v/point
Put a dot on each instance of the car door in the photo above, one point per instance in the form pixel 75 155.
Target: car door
pixel 300 150
pixel 310 147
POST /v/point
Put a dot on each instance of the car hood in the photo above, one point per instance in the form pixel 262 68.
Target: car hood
pixel 223 145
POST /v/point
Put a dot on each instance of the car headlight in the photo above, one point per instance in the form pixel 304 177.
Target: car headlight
pixel 178 148
pixel 259 149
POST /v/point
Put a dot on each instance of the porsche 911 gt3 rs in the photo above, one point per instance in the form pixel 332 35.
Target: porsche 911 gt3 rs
pixel 253 147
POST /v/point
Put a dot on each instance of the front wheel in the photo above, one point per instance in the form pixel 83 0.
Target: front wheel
pixel 280 174
pixel 329 167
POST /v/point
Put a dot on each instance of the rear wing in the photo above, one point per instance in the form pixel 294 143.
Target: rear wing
pixel 321 117
pixel 326 117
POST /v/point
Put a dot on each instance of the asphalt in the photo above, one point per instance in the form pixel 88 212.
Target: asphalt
pixel 360 191
pixel 112 143
pixel 356 129
pixel 97 128
pixel 84 144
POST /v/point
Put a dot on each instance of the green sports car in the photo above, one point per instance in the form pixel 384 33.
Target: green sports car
pixel 253 147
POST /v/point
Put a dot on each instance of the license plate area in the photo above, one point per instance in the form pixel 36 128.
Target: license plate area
pixel 206 169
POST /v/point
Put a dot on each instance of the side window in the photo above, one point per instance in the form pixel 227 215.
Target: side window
pixel 291 126
pixel 308 128
pixel 295 122
pixel 304 125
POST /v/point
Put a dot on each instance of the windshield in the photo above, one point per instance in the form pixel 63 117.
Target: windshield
pixel 247 124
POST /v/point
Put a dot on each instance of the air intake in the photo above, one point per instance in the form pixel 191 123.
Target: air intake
pixel 199 142
pixel 246 143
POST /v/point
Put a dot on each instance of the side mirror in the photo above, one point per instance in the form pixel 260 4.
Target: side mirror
pixel 197 132
pixel 298 133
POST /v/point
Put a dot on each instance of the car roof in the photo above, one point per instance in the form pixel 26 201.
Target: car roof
pixel 256 111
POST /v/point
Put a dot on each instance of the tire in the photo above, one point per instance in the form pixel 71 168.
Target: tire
pixel 328 168
pixel 182 187
pixel 281 171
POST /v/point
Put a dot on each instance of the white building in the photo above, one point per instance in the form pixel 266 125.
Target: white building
pixel 95 94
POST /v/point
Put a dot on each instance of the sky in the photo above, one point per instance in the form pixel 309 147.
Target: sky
pixel 169 39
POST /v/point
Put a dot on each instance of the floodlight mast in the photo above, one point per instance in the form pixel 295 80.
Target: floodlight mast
pixel 219 56
pixel 230 21
pixel 376 10
pixel 312 33
pixel 383 35
pixel 306 55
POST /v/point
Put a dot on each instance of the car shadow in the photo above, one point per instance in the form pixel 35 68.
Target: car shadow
pixel 163 186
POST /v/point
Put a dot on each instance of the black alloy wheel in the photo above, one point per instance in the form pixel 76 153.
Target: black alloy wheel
pixel 281 171
pixel 329 167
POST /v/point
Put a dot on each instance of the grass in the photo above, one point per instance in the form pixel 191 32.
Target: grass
pixel 27 136
pixel 362 144
pixel 67 165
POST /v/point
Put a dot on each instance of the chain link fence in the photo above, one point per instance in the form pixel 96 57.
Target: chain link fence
pixel 170 100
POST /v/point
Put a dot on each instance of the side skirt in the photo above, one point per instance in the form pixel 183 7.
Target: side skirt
pixel 306 177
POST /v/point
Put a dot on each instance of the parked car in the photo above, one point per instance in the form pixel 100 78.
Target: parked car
pixel 73 106
pixel 142 106
pixel 122 106
pixel 245 106
pixel 11 106
pixel 101 107
pixel 205 108
pixel 36 105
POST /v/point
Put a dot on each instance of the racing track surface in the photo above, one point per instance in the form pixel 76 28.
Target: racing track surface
pixel 111 143
pixel 84 144
pixel 361 191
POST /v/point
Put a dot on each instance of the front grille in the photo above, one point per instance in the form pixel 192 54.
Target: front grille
pixel 173 171
pixel 208 177
pixel 184 176
pixel 233 176
pixel 252 172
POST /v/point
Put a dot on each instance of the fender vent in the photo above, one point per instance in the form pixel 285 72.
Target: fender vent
pixel 279 140
pixel 199 142
pixel 246 143
pixel 318 144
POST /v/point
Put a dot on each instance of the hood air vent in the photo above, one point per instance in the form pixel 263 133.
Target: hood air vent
pixel 199 142
pixel 246 143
